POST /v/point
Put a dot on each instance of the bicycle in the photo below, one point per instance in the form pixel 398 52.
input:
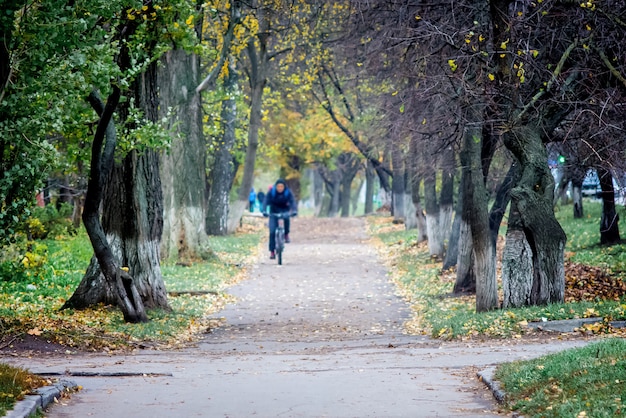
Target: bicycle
pixel 280 234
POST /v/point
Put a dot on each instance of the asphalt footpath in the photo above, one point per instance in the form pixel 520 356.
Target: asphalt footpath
pixel 320 336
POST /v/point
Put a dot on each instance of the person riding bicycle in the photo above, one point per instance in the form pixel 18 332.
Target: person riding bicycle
pixel 279 199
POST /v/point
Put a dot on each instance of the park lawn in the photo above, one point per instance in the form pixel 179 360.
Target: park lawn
pixel 586 382
pixel 30 306
pixel 594 283
pixel 581 382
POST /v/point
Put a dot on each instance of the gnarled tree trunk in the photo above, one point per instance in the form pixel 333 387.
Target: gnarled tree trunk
pixel 532 220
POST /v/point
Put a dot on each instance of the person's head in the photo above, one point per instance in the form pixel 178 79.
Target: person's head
pixel 280 185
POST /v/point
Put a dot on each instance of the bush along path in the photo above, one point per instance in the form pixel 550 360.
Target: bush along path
pixel 322 335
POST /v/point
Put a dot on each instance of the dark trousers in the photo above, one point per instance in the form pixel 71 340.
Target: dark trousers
pixel 273 226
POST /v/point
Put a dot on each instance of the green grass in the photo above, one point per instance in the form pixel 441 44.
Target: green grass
pixel 441 316
pixel 31 305
pixel 30 302
pixel 583 237
pixel 14 384
pixel 588 381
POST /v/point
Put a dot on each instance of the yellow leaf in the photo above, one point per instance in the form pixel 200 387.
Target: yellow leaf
pixel 491 77
pixel 504 44
pixel 34 331
pixel 418 17
pixel 452 65
pixel 126 269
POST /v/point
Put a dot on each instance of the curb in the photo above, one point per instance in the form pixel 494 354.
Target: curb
pixel 486 376
pixel 43 397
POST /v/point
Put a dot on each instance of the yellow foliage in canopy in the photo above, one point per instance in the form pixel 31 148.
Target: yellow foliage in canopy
pixel 310 138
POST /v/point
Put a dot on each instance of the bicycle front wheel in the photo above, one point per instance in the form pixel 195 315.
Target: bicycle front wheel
pixel 280 244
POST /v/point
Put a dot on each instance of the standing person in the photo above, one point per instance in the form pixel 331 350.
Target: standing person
pixel 260 196
pixel 279 199
pixel 252 199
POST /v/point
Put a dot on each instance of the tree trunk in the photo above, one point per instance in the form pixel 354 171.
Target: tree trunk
pixel 354 200
pixel 532 203
pixel 350 166
pixel 577 178
pixel 503 197
pixel 475 213
pixel 577 200
pixel 415 175
pixel 108 277
pixel 318 191
pixel 183 167
pixel 446 199
pixel 433 227
pixel 452 252
pixel 259 62
pixel 609 222
pixel 222 170
pixel 516 266
pixel 465 275
pixel 334 191
pixel 397 184
pixel 132 220
pixel 370 178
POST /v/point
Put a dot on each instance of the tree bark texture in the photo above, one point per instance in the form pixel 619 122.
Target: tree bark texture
pixel 475 214
pixel 183 166
pixel 503 197
pixel 532 213
pixel 114 281
pixel 222 170
pixel 465 275
pixel 516 265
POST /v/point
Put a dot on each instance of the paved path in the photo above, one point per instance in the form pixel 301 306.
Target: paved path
pixel 320 336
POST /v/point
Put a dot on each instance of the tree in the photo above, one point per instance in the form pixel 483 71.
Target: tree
pixel 127 271
pixel 183 165
pixel 222 171
pixel 545 76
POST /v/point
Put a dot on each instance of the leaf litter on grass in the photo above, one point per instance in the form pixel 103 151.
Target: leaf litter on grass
pixel 31 313
pixel 428 289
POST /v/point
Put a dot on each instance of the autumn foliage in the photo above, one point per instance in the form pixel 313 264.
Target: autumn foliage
pixel 589 283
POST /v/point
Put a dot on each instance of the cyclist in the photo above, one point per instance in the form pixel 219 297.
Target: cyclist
pixel 279 199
